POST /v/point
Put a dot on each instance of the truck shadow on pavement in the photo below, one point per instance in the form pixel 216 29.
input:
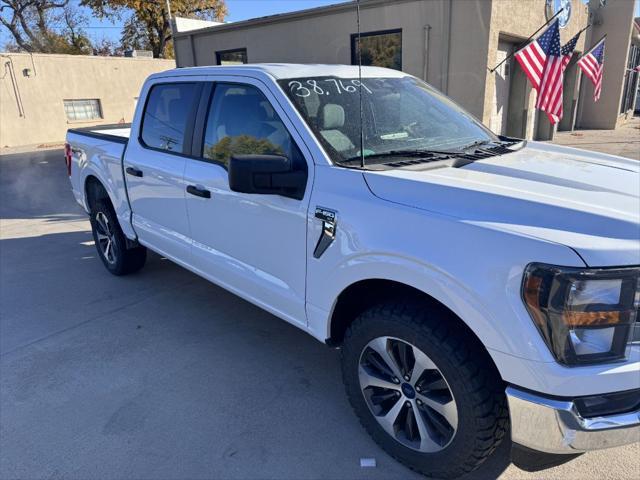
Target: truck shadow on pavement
pixel 155 375
pixel 192 379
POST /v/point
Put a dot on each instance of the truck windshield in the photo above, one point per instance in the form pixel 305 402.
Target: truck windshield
pixel 399 116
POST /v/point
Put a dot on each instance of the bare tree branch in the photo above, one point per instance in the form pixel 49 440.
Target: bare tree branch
pixel 148 24
pixel 30 23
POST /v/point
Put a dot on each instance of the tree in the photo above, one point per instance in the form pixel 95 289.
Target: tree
pixel 241 145
pixel 33 25
pixel 106 47
pixel 147 24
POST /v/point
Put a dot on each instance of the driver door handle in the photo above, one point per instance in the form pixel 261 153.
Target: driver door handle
pixel 134 171
pixel 198 191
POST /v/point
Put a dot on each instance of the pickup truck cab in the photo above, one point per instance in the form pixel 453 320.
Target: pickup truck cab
pixel 476 284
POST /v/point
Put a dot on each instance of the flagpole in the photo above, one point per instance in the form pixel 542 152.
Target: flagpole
pixel 582 30
pixel 595 45
pixel 491 70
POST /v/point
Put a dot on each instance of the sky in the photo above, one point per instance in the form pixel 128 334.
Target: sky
pixel 238 10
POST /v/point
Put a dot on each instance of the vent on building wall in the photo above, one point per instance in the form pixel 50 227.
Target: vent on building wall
pixel 138 53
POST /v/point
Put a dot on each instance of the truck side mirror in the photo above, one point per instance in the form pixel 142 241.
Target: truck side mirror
pixel 266 174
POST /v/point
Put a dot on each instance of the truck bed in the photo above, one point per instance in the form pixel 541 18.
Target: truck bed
pixel 116 132
pixel 97 152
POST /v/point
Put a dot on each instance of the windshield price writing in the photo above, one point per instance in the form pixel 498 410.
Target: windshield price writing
pixel 328 86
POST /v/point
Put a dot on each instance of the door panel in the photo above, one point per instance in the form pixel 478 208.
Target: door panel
pixel 158 204
pixel 254 245
pixel 154 168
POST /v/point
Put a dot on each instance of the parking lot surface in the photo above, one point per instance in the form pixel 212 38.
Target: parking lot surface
pixel 624 140
pixel 162 375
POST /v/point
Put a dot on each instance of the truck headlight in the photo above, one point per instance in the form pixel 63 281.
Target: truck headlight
pixel 584 315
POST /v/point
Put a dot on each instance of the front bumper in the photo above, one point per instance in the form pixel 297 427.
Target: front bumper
pixel 556 426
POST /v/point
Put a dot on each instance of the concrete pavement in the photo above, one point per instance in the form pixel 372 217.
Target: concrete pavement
pixel 162 375
pixel 623 141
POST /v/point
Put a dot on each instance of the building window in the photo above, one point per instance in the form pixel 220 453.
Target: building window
pixel 237 56
pixel 381 49
pixel 630 75
pixel 83 110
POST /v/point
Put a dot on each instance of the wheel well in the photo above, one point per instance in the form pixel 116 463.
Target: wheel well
pixel 364 294
pixel 94 190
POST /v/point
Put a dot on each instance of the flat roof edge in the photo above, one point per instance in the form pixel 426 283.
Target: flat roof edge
pixel 279 71
pixel 84 57
pixel 282 17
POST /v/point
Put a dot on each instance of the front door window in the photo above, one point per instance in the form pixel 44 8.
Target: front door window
pixel 241 121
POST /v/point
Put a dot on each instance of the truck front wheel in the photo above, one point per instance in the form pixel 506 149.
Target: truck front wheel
pixel 111 242
pixel 425 390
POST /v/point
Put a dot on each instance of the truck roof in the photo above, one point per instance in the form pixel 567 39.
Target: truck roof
pixel 284 70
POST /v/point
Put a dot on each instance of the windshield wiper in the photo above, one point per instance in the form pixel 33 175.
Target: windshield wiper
pixel 431 154
pixel 477 143
pixel 425 155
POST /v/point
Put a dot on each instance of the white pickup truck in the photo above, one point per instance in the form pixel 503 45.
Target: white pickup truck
pixel 478 285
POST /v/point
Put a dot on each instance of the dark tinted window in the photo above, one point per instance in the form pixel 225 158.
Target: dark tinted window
pixel 380 49
pixel 242 121
pixel 168 110
pixel 232 57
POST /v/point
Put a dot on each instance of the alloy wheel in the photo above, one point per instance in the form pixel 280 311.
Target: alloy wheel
pixel 106 237
pixel 407 394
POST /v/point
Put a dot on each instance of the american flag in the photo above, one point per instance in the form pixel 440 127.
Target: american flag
pixel 554 113
pixel 592 64
pixel 533 57
pixel 543 63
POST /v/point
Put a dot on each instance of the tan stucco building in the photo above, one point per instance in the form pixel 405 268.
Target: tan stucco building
pixel 451 44
pixel 620 82
pixel 43 95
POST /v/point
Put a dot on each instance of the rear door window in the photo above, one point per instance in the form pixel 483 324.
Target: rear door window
pixel 167 116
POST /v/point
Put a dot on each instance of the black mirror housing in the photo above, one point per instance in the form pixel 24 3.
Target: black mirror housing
pixel 266 174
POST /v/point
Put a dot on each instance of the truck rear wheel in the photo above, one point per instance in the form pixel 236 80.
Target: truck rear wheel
pixel 428 395
pixel 111 242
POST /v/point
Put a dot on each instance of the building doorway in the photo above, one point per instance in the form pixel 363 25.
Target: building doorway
pixel 570 93
pixel 520 116
pixel 502 75
pixel 511 115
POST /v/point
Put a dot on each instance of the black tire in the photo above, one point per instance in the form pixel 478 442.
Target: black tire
pixel 119 260
pixel 482 414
